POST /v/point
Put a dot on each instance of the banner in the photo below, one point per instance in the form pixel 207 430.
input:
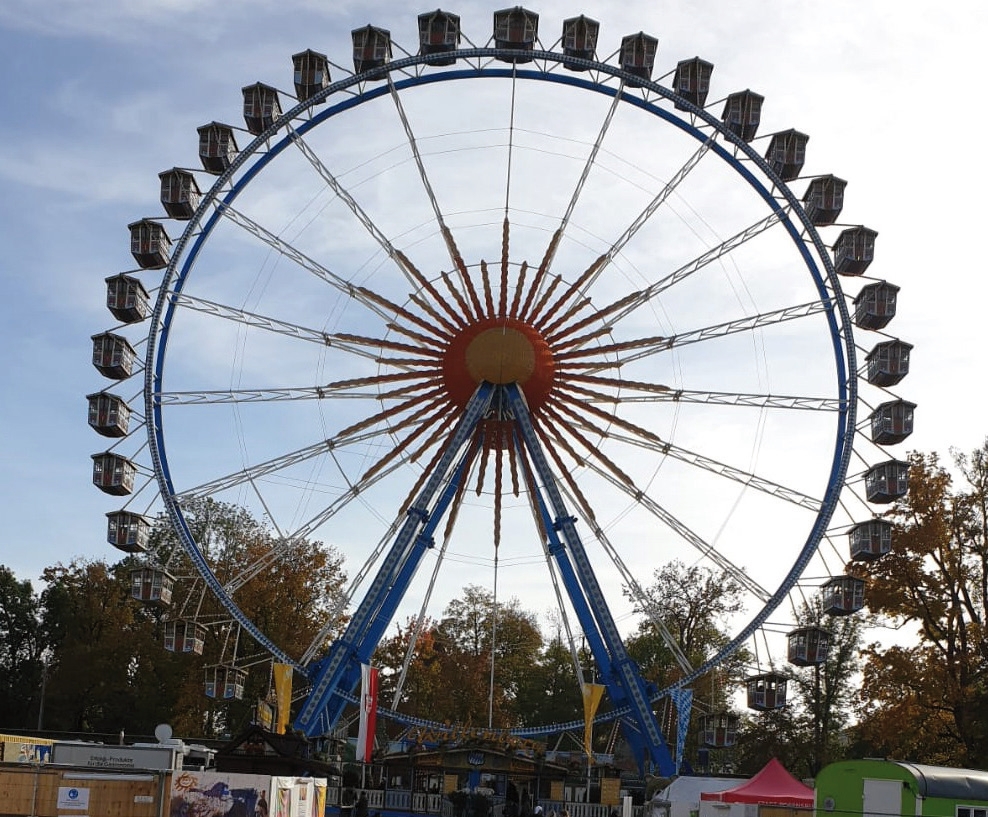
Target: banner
pixel 592 693
pixel 283 695
pixel 368 713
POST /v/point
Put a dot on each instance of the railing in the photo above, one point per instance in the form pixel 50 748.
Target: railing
pixel 439 804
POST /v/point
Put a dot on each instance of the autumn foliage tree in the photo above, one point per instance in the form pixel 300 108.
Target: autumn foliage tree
pixel 290 598
pixel 926 699
pixel 461 644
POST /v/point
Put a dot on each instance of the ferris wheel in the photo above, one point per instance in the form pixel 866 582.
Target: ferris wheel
pixel 515 314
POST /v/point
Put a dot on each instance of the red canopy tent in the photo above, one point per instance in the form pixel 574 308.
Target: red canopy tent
pixel 772 786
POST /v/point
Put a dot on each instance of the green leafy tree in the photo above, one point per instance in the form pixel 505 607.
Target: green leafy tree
pixel 107 672
pixel 22 646
pixel 425 690
pixel 548 692
pixel 460 646
pixel 685 611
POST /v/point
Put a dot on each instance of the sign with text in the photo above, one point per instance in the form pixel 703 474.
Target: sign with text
pixel 102 756
pixel 69 797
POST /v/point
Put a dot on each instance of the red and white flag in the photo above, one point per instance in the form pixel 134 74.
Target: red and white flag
pixel 368 713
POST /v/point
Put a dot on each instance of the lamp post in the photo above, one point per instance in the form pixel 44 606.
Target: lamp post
pixel 44 685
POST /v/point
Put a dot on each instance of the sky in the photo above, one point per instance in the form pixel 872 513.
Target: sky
pixel 101 96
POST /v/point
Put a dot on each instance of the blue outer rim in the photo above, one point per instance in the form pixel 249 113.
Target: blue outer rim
pixel 827 284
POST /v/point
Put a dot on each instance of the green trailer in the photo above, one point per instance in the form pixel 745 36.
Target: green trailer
pixel 879 788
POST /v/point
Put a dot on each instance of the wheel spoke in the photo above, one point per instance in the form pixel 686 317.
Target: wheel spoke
pixel 645 439
pixel 627 305
pixel 703 547
pixel 300 258
pixel 353 344
pixel 597 268
pixel 337 391
pixel 629 351
pixel 658 393
pixel 458 263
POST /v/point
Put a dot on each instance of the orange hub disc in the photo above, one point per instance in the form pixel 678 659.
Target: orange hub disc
pixel 499 351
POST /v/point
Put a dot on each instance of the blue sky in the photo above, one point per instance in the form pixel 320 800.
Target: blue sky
pixel 101 96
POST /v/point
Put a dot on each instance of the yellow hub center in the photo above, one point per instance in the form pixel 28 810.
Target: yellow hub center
pixel 500 355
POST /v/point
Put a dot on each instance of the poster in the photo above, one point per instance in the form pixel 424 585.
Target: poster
pixel 216 794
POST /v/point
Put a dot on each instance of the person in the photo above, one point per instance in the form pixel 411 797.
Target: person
pixel 261 809
pixel 360 810
pixel 564 812
pixel 538 811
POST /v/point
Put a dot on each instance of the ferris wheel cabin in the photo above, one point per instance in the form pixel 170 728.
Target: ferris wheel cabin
pixel 127 299
pixel 311 73
pixel 149 244
pixel 743 114
pixel 719 730
pixel 113 356
pixel 180 194
pixel 518 29
pixel 128 531
pixel 225 681
pixel 854 250
pixel 185 635
pixel 638 56
pixel 870 540
pixel 692 81
pixel 887 481
pixel 874 305
pixel 217 147
pixel 439 33
pixel 843 595
pixel 824 199
pixel 152 585
pixel 888 362
pixel 371 49
pixel 580 40
pixel 767 691
pixel 786 154
pixel 892 422
pixel 113 473
pixel 109 415
pixel 808 646
pixel 261 107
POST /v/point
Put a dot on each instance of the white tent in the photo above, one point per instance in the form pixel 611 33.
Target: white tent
pixel 683 794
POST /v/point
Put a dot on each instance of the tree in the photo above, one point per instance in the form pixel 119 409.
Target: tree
pixel 548 692
pixel 21 649
pixel 459 646
pixel 471 628
pixel 425 690
pixel 685 609
pixel 107 670
pixel 928 701
pixel 289 598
